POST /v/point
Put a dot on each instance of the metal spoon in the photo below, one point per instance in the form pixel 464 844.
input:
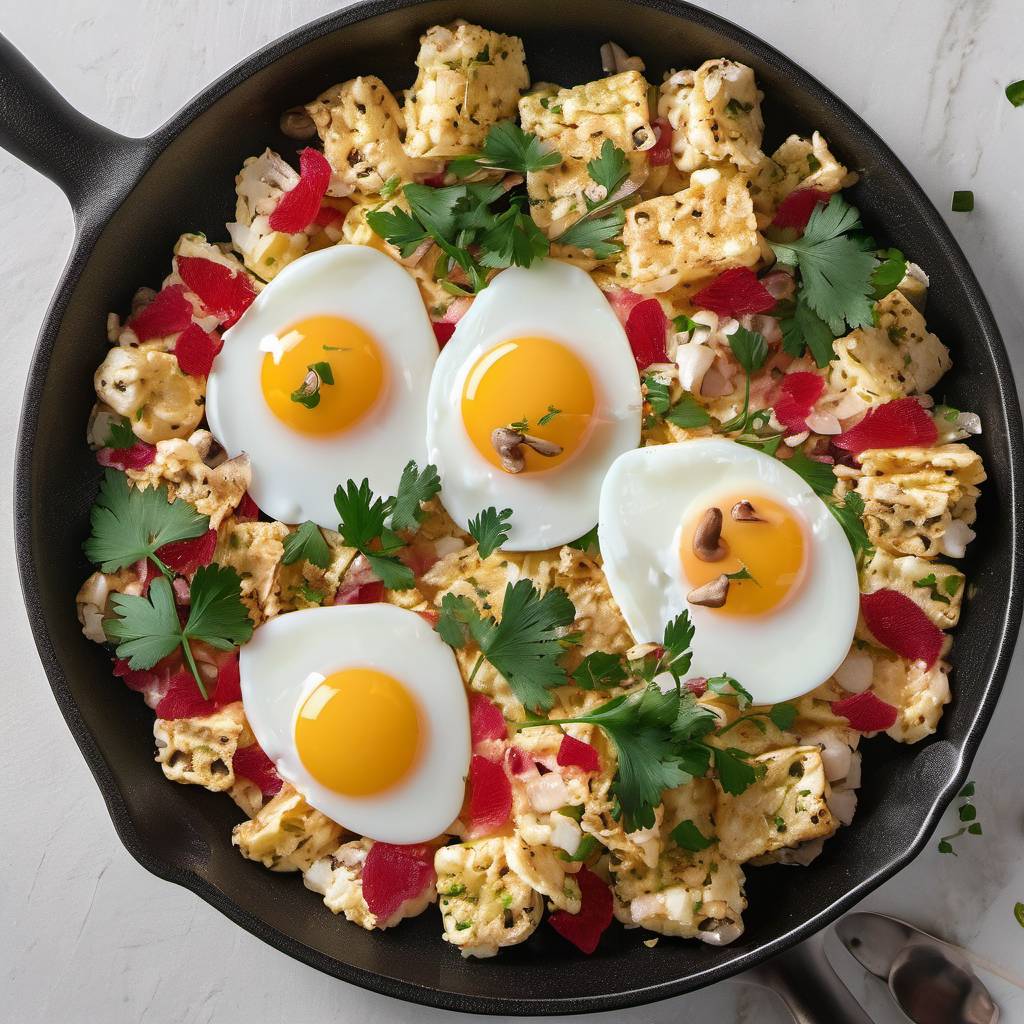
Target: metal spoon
pixel 931 981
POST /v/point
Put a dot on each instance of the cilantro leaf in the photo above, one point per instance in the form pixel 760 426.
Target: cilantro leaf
pixel 835 268
pixel 216 614
pixel 782 715
pixel 524 646
pixel 507 148
pixel 609 169
pixel 392 572
pixel 889 272
pixel 677 638
pixel 129 524
pixel 414 488
pixel 399 228
pixel 588 543
pixel 849 513
pixel 726 686
pixel 146 628
pixel 307 543
pixel 749 348
pixel 513 241
pixel 687 836
pixel 805 329
pixel 657 394
pixel 121 435
pixel 490 529
pixel 599 671
pixel 735 774
pixel 688 413
pixel 362 527
pixel 818 475
pixel 596 234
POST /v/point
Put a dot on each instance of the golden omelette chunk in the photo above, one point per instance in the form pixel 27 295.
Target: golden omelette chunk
pixel 919 694
pixel 576 123
pixel 701 231
pixel 936 588
pixel 255 551
pixel 469 78
pixel 199 751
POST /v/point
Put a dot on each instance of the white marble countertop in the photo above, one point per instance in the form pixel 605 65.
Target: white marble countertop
pixel 89 935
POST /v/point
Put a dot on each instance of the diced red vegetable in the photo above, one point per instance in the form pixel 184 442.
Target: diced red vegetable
pixel 576 753
pixel 518 760
pixel 899 624
pixel 138 456
pixel 584 930
pixel 443 332
pixel 795 210
pixel 369 592
pixel 196 350
pixel 490 797
pixel 698 686
pixel 736 292
pixel 420 556
pixel 436 180
pixel 253 764
pixel 168 313
pixel 185 556
pixel 865 712
pixel 431 617
pixel 224 292
pixel 183 699
pixel 229 681
pixel 660 153
pixel 394 875
pixel 898 424
pixel 327 215
pixel 486 722
pixel 247 511
pixel 799 393
pixel 622 301
pixel 298 207
pixel 646 329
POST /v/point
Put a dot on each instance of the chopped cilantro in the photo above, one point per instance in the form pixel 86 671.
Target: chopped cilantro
pixel 1015 94
pixel 490 529
pixel 390 187
pixel 687 412
pixel 603 220
pixel 548 416
pixel 735 108
pixel 587 848
pixel 963 202
pixel 1018 908
pixel 750 350
pixel 687 836
pixel 121 435
pixel 362 527
pixel 507 148
pixel 307 543
pixel 967 813
pixel 414 488
pixel 888 273
pixel 726 686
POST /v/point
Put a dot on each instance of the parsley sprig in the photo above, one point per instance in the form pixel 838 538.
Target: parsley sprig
pixel 307 543
pixel 751 351
pixel 524 646
pixel 490 529
pixel 603 219
pixel 148 628
pixel 506 148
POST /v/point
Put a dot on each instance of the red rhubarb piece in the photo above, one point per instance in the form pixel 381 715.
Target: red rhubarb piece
pixel 865 712
pixel 736 292
pixel 795 210
pixel 224 292
pixel 799 393
pixel 196 350
pixel 298 207
pixel 247 511
pixel 185 556
pixel 490 797
pixel 486 722
pixel 168 313
pixel 646 328
pixel 584 930
pixel 898 424
pixel 660 153
pixel 183 699
pixel 443 332
pixel 138 456
pixel 576 753
pixel 899 624
pixel 396 875
pixel 518 760
pixel 229 680
pixel 253 764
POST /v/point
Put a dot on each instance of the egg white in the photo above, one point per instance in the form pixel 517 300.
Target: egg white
pixel 557 301
pixel 276 666
pixel 650 492
pixel 294 475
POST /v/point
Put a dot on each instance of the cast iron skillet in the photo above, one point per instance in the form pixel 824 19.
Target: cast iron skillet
pixel 132 197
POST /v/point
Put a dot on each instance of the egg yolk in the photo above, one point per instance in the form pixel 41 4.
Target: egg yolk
pixel 772 551
pixel 349 376
pixel 536 386
pixel 358 732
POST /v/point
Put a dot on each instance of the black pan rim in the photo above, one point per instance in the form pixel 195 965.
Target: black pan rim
pixel 89 230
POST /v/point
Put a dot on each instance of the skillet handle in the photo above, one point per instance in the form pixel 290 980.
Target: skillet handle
pixel 812 991
pixel 92 165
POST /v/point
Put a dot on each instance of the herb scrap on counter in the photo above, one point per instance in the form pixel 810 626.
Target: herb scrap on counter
pixel 968 814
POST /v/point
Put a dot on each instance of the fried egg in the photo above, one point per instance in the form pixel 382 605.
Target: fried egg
pixel 540 353
pixel 788 617
pixel 324 379
pixel 362 709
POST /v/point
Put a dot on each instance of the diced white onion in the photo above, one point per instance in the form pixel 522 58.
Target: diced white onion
pixel 856 672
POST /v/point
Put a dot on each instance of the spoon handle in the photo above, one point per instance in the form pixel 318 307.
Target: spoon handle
pixel 811 990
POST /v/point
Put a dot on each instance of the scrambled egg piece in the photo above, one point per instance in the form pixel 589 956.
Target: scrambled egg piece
pixel 305 585
pixel 484 905
pixel 255 550
pixel 180 465
pixel 701 231
pixel 921 501
pixel 918 693
pixel 805 163
pixel 539 866
pixel 786 806
pixel 247 795
pixel 898 357
pixel 576 123
pixel 338 877
pixel 148 387
pixel 200 750
pixel 715 114
pixel 936 588
pixel 286 834
pixel 93 599
pixel 683 893
pixel 362 127
pixel 469 78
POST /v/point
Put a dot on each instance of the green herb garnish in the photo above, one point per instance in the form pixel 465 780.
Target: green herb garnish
pixel 963 202
pixel 490 529
pixel 968 814
pixel 687 836
pixel 307 543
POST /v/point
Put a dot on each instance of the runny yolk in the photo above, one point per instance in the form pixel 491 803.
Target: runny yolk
pixel 355 365
pixel 529 379
pixel 773 552
pixel 358 732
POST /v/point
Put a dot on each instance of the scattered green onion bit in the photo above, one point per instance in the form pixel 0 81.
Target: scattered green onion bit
pixel 1015 93
pixel 963 202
